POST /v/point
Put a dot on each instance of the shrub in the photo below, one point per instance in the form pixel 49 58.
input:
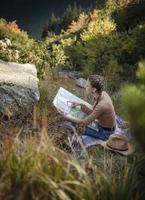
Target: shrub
pixel 133 98
pixel 23 48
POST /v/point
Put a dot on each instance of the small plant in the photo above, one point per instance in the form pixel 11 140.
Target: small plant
pixel 133 98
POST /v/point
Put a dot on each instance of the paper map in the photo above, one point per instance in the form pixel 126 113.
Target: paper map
pixel 62 102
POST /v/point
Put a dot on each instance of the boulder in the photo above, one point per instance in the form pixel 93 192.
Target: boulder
pixel 75 74
pixel 81 82
pixel 18 89
pixel 71 74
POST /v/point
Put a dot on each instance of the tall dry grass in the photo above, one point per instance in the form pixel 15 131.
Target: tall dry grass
pixel 32 167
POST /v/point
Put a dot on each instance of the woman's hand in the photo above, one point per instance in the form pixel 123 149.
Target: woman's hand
pixel 83 107
pixel 74 104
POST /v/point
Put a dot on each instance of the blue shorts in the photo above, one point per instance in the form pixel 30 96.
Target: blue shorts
pixel 100 133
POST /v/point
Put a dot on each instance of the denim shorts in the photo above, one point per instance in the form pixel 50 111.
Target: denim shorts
pixel 100 133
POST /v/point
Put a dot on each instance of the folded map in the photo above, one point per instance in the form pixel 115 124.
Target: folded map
pixel 63 101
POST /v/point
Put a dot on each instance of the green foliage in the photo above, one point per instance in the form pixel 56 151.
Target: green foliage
pixel 22 49
pixel 98 43
pixel 141 72
pixel 102 25
pixel 112 73
pixel 57 59
pixel 92 44
pixel 45 96
pixel 89 42
pixel 134 100
pixel 138 38
pixel 95 55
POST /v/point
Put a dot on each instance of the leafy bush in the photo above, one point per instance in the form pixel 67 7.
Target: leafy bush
pixel 91 43
pixel 23 48
pixel 133 98
pixel 97 43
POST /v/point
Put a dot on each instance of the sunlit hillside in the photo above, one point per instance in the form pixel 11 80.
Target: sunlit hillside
pixel 36 158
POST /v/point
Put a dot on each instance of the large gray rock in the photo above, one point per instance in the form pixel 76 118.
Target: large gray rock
pixel 71 74
pixel 75 74
pixel 18 88
pixel 81 82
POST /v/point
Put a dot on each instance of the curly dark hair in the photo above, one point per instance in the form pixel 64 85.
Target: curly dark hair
pixel 97 82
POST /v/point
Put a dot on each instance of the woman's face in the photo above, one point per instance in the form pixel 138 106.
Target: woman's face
pixel 89 89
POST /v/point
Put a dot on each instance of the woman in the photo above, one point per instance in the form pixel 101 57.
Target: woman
pixel 103 110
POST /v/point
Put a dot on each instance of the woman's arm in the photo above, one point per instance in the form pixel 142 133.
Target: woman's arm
pixel 87 120
pixel 77 121
pixel 84 108
pixel 69 118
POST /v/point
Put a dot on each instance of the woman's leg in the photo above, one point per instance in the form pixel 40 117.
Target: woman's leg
pixel 100 133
